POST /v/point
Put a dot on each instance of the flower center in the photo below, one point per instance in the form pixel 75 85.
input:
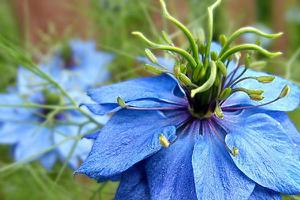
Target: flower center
pixel 50 99
pixel 68 58
pixel 203 72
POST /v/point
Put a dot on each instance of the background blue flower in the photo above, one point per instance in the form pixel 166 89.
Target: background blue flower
pixel 27 129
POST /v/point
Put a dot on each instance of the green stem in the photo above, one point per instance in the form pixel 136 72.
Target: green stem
pixel 184 29
pixel 244 47
pixel 210 10
pixel 244 30
pixel 177 50
pixel 209 82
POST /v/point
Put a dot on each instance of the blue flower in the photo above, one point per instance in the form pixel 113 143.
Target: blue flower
pixel 32 136
pixel 159 148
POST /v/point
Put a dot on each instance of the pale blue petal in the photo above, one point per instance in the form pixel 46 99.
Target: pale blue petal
pixel 133 185
pixel 48 160
pixel 266 153
pixel 261 193
pixel 34 145
pixel 13 113
pixel 28 81
pixel 11 133
pixel 129 137
pixel 216 176
pixel 288 126
pixel 170 171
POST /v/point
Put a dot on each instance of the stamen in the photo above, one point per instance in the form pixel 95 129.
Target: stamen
pixel 235 151
pixel 225 93
pixel 261 79
pixel 218 112
pixel 155 70
pixel 164 141
pixel 221 139
pixel 122 104
pixel 151 56
pixel 284 92
pixel 222 68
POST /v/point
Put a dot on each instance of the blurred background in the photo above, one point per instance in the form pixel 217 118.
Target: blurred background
pixel 37 26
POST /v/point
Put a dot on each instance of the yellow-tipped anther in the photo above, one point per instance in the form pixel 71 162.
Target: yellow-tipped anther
pixel 223 39
pixel 257 92
pixel 256 97
pixel 151 56
pixel 214 55
pixel 121 102
pixel 222 68
pixel 218 112
pixel 164 141
pixel 285 91
pixel 225 93
pixel 154 70
pixel 235 151
pixel 184 79
pixel 265 79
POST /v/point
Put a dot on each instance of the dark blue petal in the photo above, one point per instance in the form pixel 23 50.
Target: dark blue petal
pixel 170 171
pixel 133 185
pixel 266 153
pixel 159 87
pixel 261 193
pixel 216 176
pixel 272 90
pixel 129 137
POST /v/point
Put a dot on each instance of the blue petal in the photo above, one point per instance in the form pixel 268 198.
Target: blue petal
pixel 170 171
pixel 129 137
pixel 11 133
pixel 260 193
pixel 216 176
pixel 70 149
pixel 28 82
pixel 159 87
pixel 13 114
pixel 133 185
pixel 48 160
pixel 266 154
pixel 287 125
pixel 272 91
pixel 36 143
